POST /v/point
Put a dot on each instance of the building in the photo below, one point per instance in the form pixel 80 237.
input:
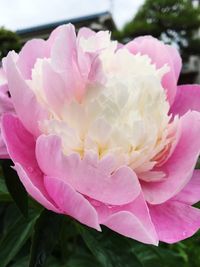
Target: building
pixel 99 21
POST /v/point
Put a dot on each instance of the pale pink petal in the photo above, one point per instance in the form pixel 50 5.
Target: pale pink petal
pixel 174 221
pixel 26 105
pixel 5 101
pixel 85 33
pixel 2 76
pixel 160 55
pixel 191 192
pixel 177 61
pixel 63 49
pixel 21 148
pixel 58 90
pixel 85 175
pixel 132 220
pixel 64 59
pixel 31 51
pixel 71 202
pixel 187 98
pixel 179 167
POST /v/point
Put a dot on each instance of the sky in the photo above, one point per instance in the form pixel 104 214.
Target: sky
pixel 21 14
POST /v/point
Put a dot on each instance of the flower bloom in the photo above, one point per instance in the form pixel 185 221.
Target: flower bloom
pixel 103 133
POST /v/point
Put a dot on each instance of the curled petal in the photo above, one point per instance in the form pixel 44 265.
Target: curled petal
pixel 71 202
pixel 23 98
pixel 179 167
pixel 132 220
pixel 21 148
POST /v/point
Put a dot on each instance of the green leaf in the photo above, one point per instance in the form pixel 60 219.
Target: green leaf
pixel 15 236
pixel 45 237
pixel 15 187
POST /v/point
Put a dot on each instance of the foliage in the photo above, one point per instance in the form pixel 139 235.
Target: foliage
pixel 45 239
pixel 170 20
pixel 8 41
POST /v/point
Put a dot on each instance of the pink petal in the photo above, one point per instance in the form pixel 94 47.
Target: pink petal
pixel 38 193
pixel 160 54
pixel 175 221
pixel 131 220
pixel 191 192
pixel 5 106
pixel 180 166
pixel 187 98
pixel 85 175
pixel 23 98
pixel 71 202
pixel 21 148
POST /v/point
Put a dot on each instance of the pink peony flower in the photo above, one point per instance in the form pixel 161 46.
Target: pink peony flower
pixel 5 106
pixel 103 134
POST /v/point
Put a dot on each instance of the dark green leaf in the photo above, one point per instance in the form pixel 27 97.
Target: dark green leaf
pixel 4 195
pixel 21 263
pixel 46 234
pixel 109 248
pixel 15 187
pixel 81 260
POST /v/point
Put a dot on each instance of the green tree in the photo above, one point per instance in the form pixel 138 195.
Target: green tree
pixel 173 21
pixel 8 41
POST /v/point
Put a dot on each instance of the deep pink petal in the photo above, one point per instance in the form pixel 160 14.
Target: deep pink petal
pixel 180 166
pixel 71 202
pixel 175 221
pixel 191 192
pixel 160 55
pixel 21 148
pixel 132 220
pixel 25 103
pixel 85 175
pixel 187 98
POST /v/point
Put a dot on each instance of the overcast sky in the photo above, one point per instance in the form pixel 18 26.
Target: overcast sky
pixel 20 14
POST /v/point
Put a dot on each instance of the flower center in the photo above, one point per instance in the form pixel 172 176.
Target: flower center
pixel 125 116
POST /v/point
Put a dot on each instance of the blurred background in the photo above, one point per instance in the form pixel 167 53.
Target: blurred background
pixel 175 22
